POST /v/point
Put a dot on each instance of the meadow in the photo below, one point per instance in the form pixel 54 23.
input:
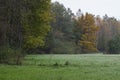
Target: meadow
pixel 64 67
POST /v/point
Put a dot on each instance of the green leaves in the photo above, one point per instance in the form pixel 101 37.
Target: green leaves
pixel 37 23
pixel 114 45
pixel 34 42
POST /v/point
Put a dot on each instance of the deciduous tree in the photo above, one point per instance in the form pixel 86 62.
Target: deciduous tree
pixel 87 33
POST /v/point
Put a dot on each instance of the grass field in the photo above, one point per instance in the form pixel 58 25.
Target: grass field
pixel 64 67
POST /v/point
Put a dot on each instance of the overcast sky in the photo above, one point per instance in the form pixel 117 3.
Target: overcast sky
pixel 97 7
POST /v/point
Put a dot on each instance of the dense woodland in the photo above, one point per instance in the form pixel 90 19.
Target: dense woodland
pixel 42 27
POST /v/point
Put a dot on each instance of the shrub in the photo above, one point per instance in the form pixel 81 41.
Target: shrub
pixel 10 56
pixel 114 45
pixel 64 47
pixel 56 64
pixel 67 63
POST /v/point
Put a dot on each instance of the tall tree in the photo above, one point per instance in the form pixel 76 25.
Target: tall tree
pixel 87 29
pixel 23 24
pixel 61 29
pixel 36 23
pixel 11 34
pixel 109 27
pixel 15 27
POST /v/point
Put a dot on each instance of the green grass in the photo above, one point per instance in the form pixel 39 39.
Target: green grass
pixel 80 67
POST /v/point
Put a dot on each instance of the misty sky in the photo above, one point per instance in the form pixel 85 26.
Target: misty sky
pixel 97 7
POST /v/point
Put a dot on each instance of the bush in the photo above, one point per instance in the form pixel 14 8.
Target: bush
pixel 64 47
pixel 10 56
pixel 114 45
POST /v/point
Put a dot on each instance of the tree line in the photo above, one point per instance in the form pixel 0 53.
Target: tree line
pixel 24 24
pixel 81 32
pixel 42 27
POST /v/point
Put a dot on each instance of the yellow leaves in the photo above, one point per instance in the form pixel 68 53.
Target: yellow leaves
pixel 88 33
pixel 44 16
pixel 88 46
pixel 84 37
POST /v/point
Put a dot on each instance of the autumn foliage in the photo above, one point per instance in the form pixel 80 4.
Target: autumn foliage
pixel 86 25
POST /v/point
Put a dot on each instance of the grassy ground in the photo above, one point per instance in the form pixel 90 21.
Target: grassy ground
pixel 64 67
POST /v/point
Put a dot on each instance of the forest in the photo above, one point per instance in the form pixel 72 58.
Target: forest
pixel 45 27
pixel 44 40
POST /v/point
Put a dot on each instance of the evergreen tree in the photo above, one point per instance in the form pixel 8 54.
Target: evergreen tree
pixel 61 36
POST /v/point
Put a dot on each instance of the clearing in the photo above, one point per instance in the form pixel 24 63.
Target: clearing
pixel 64 67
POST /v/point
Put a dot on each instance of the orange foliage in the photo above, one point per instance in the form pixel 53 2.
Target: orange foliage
pixel 88 33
